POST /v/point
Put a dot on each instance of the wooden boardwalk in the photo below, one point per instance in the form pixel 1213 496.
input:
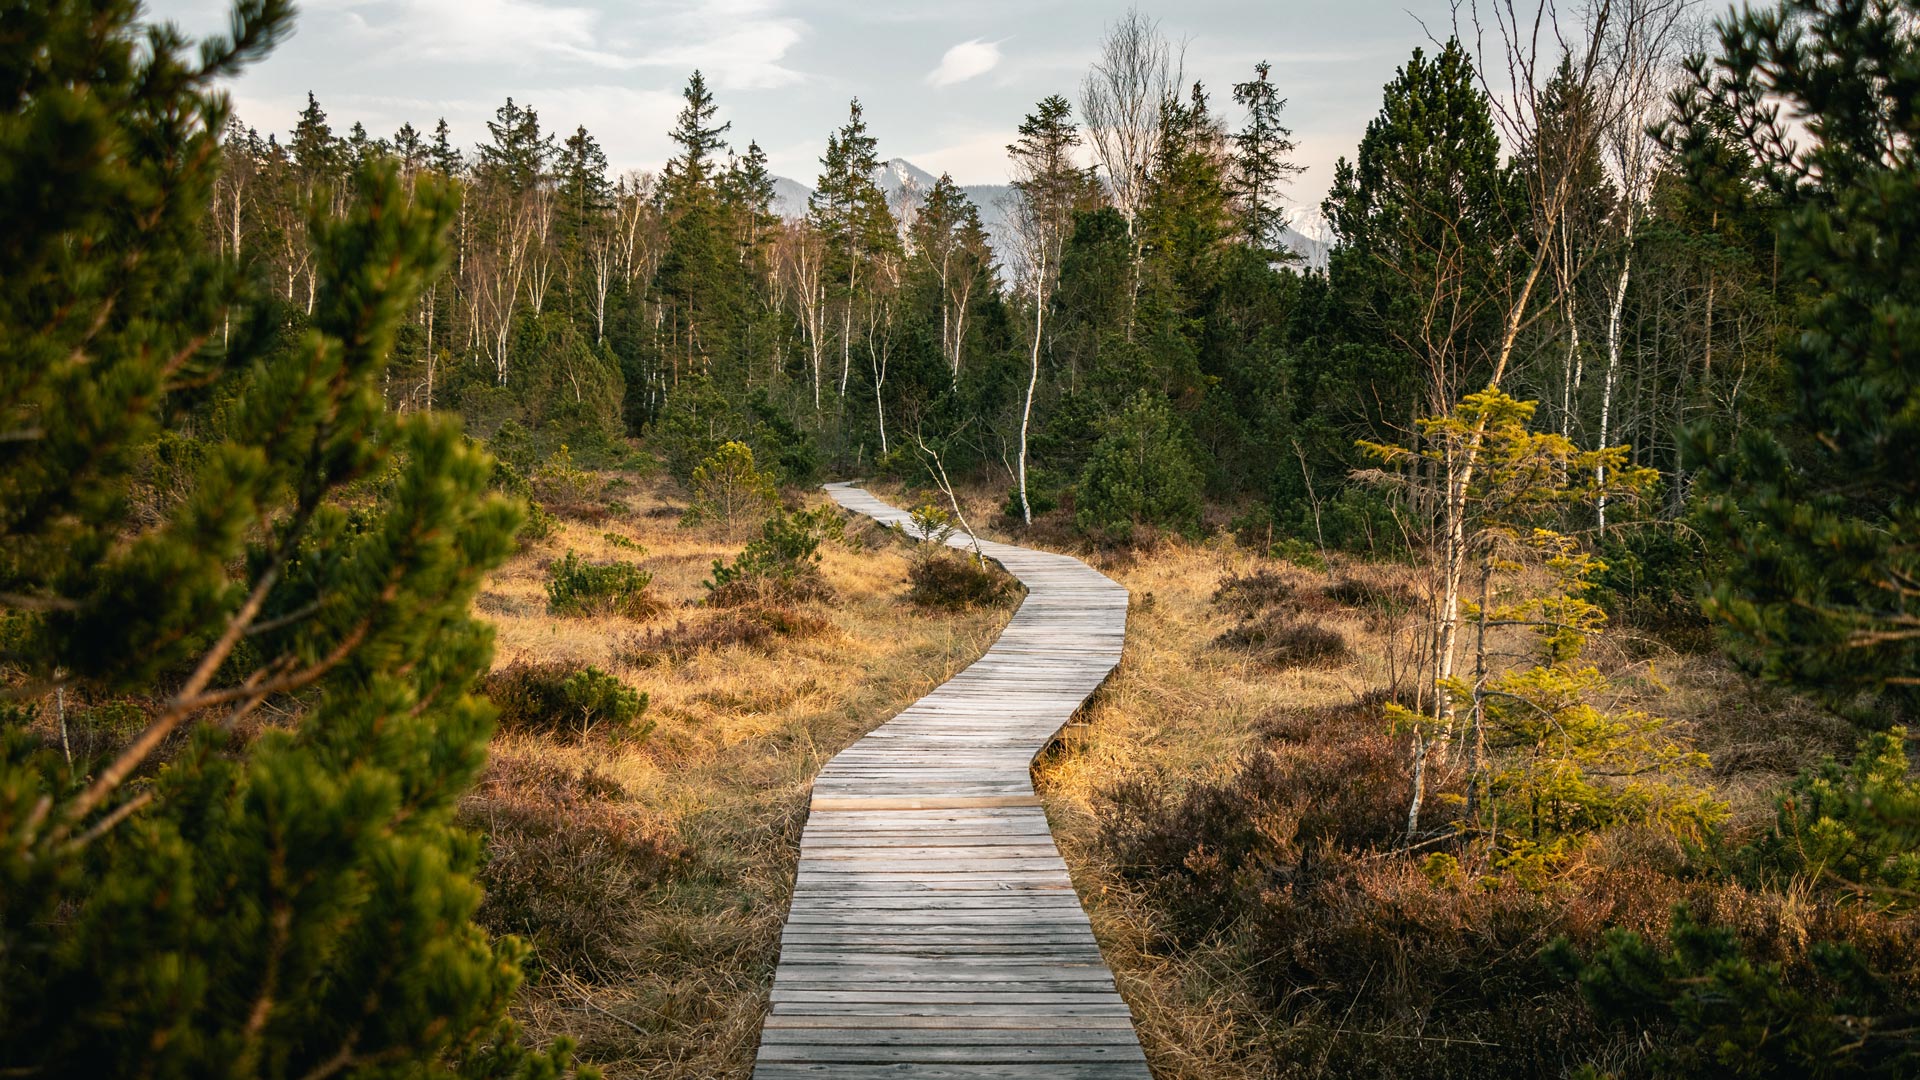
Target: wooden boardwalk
pixel 934 933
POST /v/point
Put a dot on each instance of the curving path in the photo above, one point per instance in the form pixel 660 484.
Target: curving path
pixel 934 934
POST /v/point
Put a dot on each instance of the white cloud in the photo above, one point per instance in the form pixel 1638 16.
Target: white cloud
pixel 737 44
pixel 967 60
pixel 740 44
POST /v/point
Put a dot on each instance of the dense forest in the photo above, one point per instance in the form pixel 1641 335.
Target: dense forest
pixel 1606 369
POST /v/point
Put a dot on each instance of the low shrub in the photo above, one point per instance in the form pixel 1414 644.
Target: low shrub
pixel 567 867
pixel 570 491
pixel 753 627
pixel 1209 851
pixel 579 588
pixel 781 565
pixel 1277 639
pixel 566 701
pixel 955 581
pixel 728 490
pixel 624 542
pixel 1362 593
pixel 1247 594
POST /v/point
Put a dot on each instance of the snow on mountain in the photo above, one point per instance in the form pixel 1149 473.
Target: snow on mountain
pixel 902 181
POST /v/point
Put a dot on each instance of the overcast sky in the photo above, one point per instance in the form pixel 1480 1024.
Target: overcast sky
pixel 944 83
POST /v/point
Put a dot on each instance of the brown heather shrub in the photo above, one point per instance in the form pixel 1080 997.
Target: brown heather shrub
pixel 955 581
pixel 772 592
pixel 1275 638
pixel 754 627
pixel 1382 601
pixel 1249 594
pixel 567 866
pixel 1283 811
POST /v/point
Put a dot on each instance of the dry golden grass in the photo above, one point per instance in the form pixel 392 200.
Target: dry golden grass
pixel 678 984
pixel 679 988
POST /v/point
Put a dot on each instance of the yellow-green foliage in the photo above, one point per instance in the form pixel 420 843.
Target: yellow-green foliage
pixel 729 490
pixel 1548 761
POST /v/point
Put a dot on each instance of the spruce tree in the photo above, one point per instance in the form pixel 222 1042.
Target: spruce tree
pixel 220 889
pixel 697 276
pixel 517 156
pixel 316 152
pixel 446 158
pixel 1260 162
pixel 585 191
pixel 690 174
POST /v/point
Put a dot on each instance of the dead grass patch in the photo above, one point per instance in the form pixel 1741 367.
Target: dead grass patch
pixel 754 627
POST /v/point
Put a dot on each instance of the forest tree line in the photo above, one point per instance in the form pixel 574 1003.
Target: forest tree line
pixel 1552 244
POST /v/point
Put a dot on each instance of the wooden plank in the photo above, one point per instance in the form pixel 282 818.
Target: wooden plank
pixel 946 803
pixel 934 932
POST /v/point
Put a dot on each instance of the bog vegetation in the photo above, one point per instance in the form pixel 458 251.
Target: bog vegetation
pixel 410 584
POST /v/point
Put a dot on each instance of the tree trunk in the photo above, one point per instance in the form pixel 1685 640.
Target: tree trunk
pixel 1033 383
pixel 1613 371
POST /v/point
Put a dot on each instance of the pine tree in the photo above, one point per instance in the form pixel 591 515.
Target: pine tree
pixel 409 149
pixel 1417 220
pixel 1821 509
pixel 224 892
pixel 1141 472
pixel 359 146
pixel 1260 162
pixel 1046 175
pixel 1822 506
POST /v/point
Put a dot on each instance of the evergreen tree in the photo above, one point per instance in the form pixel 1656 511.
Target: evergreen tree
pixel 1822 506
pixel 224 893
pixel 445 157
pixel 409 149
pixel 359 146
pixel 1418 218
pixel 517 157
pixel 1819 508
pixel 1260 162
pixel 585 191
pixel 1046 175
pixel 697 277
pixel 954 259
pixel 316 152
pixel 690 174
pixel 1141 472
pixel 850 211
pixel 750 193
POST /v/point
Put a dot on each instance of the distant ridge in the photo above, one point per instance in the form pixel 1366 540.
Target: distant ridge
pixel 900 178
